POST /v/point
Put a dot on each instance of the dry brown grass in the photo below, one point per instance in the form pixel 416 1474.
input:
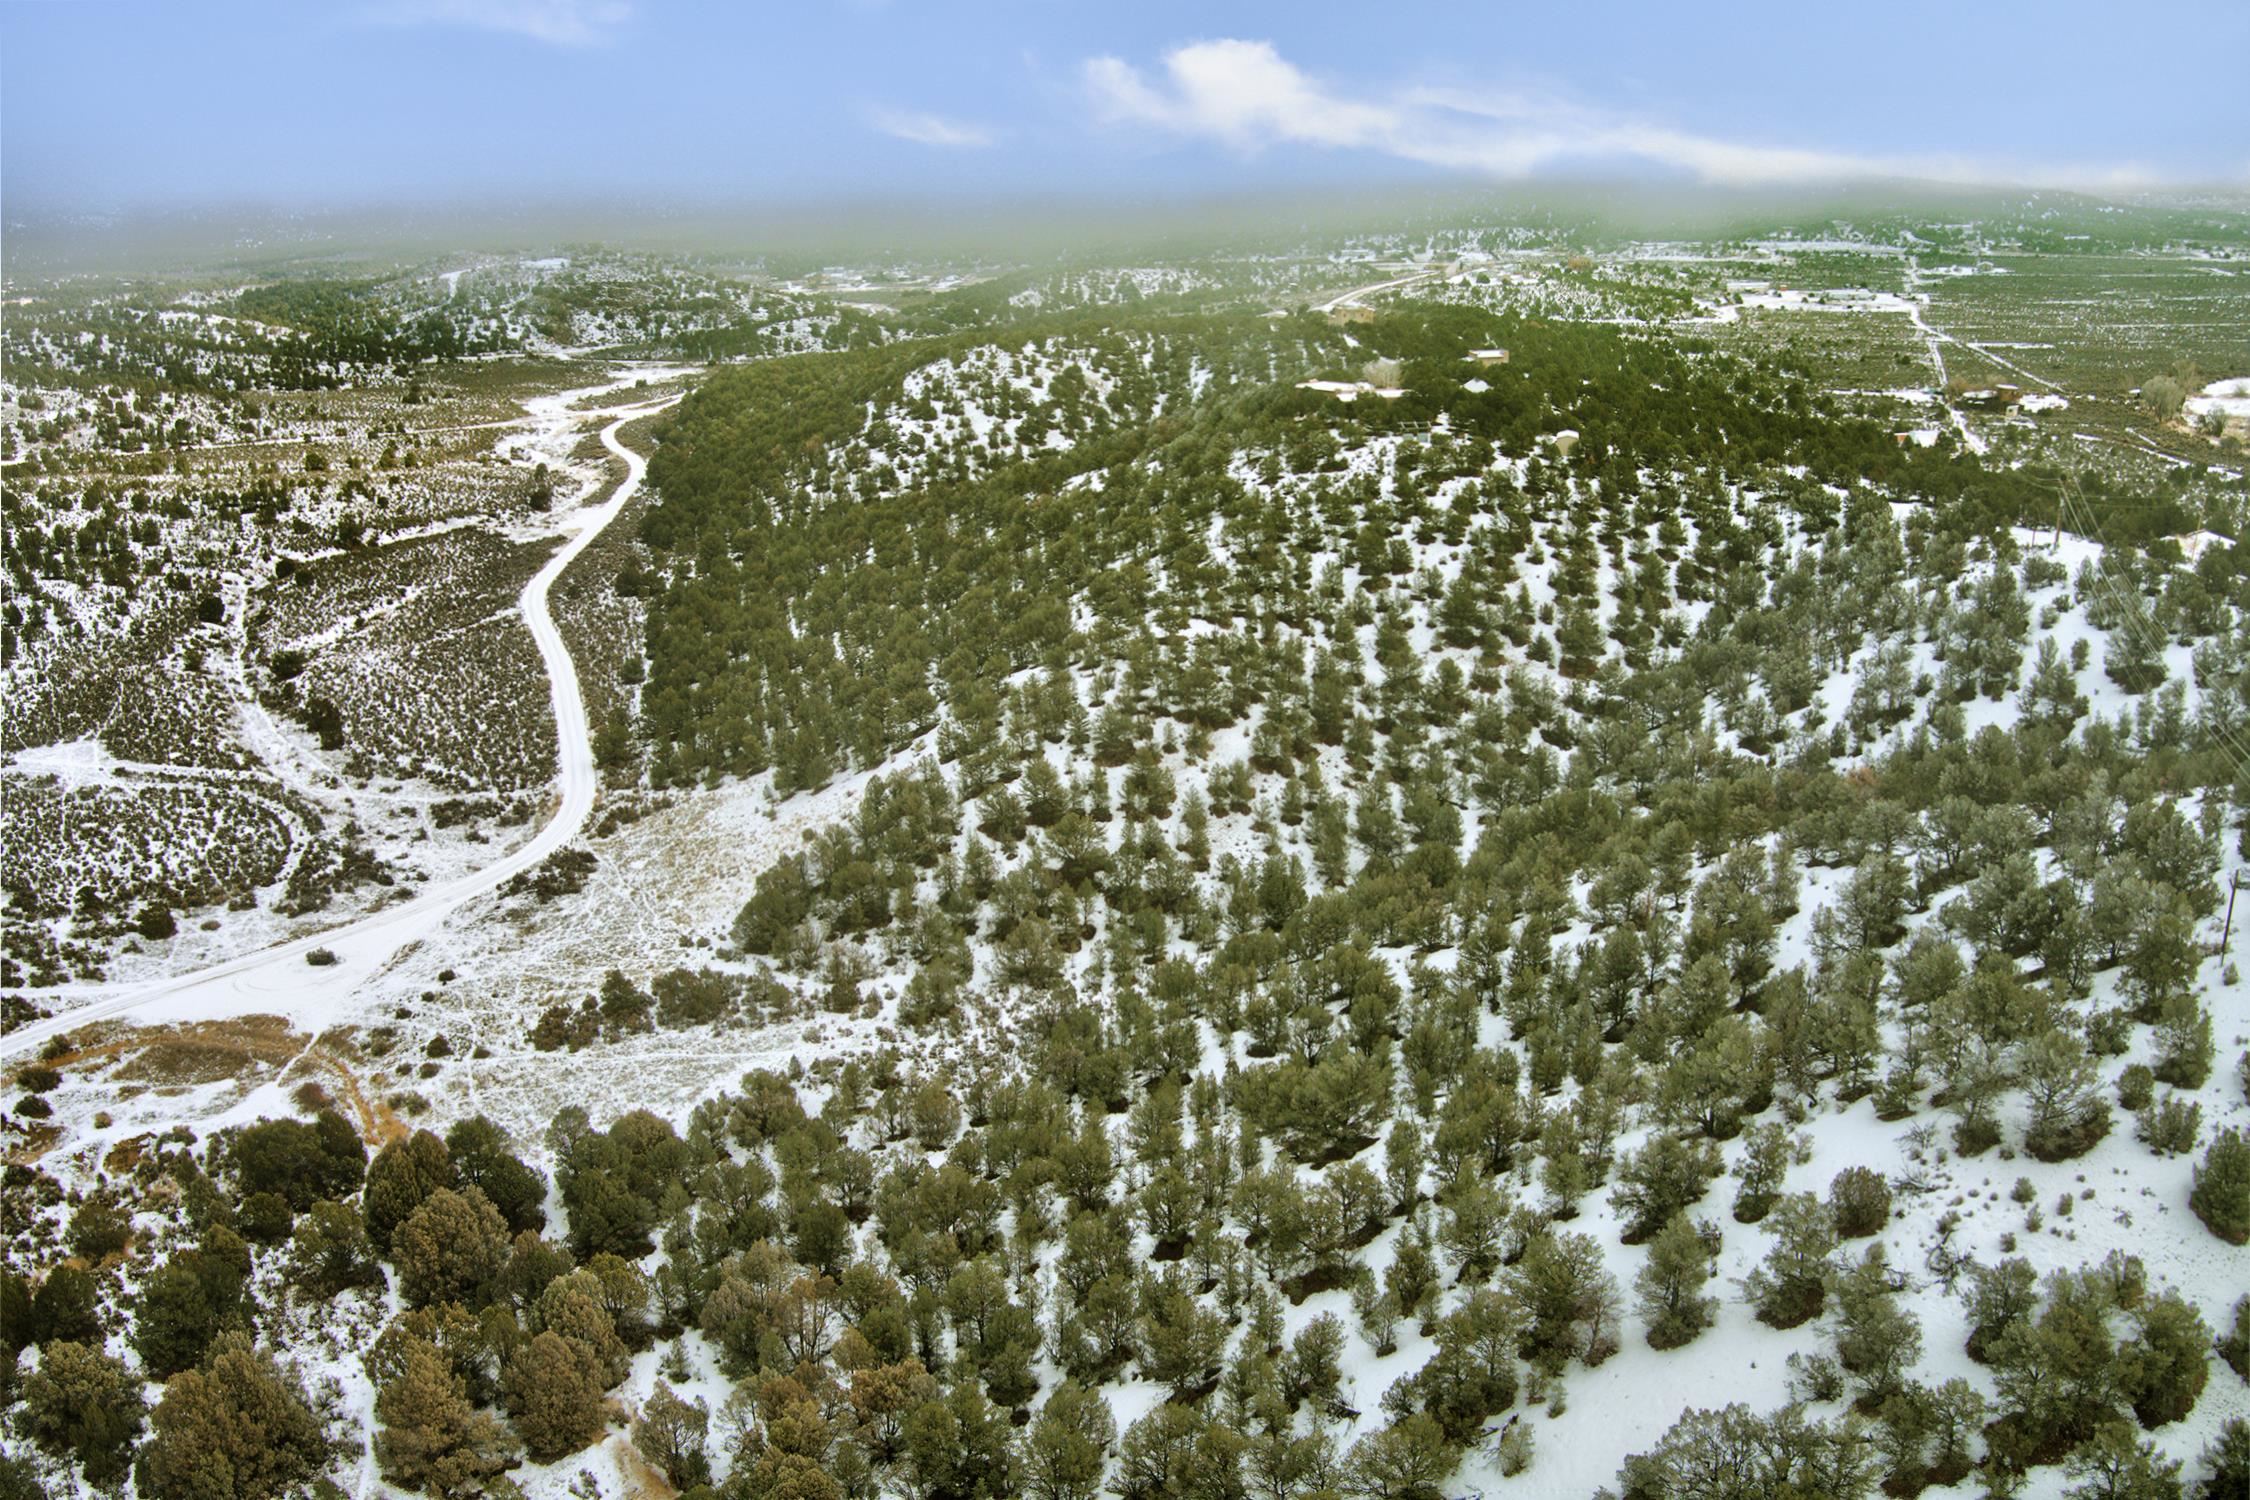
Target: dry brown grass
pixel 34 1142
pixel 249 1050
pixel 643 1480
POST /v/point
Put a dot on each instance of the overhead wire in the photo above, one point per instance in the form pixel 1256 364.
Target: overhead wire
pixel 2132 615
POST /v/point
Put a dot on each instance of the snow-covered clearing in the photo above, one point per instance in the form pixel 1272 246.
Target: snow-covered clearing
pixel 278 980
pixel 2226 398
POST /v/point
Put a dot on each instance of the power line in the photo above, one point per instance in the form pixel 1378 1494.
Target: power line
pixel 2149 638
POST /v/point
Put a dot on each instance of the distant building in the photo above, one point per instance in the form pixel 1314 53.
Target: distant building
pixel 1351 314
pixel 2195 543
pixel 1486 358
pixel 1351 390
pixel 1992 398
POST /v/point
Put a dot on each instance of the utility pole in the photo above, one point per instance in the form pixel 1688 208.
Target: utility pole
pixel 2234 884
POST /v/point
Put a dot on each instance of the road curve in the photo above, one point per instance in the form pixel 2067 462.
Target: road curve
pixel 1357 292
pixel 277 979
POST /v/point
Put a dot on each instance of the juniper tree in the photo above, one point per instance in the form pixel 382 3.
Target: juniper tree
pixel 1859 1201
pixel 238 1428
pixel 553 1390
pixel 67 1306
pixel 2234 1345
pixel 1066 1448
pixel 2161 1371
pixel 2221 1192
pixel 576 1307
pixel 86 1405
pixel 431 1438
pixel 188 1301
pixel 298 1160
pixel 485 1160
pixel 1791 1284
pixel 476 1347
pixel 1670 1285
pixel 1877 1338
pixel 670 1432
pixel 1661 1180
pixel 2227 1460
pixel 452 1248
pixel 404 1172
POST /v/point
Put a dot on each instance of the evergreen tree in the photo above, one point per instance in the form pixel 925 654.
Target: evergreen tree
pixel 2234 1346
pixel 2115 1465
pixel 482 1155
pixel 431 1438
pixel 1660 1181
pixel 1998 1298
pixel 452 1248
pixel 2227 1462
pixel 82 1403
pixel 300 1162
pixel 403 1174
pixel 669 1432
pixel 1791 1284
pixel 2061 1084
pixel 330 1253
pixel 1407 1460
pixel 553 1391
pixel 2221 1194
pixel 1670 1285
pixel 1570 1300
pixel 238 1428
pixel 1066 1447
pixel 1859 1202
pixel 2162 1370
pixel 66 1306
pixel 186 1302
pixel 1768 1152
pixel 1878 1339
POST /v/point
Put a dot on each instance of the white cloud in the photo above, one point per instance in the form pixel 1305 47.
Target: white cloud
pixel 1245 95
pixel 560 23
pixel 930 130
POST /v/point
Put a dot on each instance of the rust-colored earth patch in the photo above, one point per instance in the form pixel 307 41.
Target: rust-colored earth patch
pixel 249 1050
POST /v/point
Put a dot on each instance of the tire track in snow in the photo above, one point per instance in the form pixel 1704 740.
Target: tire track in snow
pixel 278 979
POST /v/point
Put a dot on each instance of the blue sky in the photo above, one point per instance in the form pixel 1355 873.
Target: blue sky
pixel 114 104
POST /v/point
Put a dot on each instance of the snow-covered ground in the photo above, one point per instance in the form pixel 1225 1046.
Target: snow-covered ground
pixel 667 886
pixel 278 980
pixel 2228 398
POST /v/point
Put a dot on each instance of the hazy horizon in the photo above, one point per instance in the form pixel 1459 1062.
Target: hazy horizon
pixel 1014 228
pixel 123 108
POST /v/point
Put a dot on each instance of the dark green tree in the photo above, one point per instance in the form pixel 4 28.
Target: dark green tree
pixel 2221 1194
pixel 403 1174
pixel 238 1428
pixel 82 1403
pixel 1670 1286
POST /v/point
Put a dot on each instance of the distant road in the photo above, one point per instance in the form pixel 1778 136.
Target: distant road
pixel 1381 286
pixel 278 979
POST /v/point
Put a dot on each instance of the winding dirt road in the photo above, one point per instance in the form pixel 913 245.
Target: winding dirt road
pixel 278 979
